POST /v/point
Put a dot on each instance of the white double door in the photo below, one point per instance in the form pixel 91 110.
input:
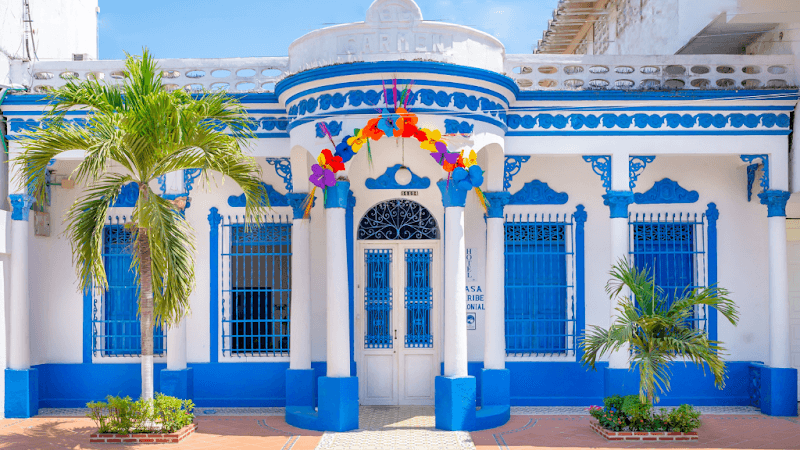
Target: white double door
pixel 398 322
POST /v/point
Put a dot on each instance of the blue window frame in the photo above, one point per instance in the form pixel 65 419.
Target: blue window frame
pixel 378 298
pixel 116 328
pixel 256 287
pixel 671 247
pixel 540 307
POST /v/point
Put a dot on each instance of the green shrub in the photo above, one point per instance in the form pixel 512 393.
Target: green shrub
pixel 629 413
pixel 124 416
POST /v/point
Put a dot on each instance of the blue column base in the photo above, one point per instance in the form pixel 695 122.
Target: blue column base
pixel 620 382
pixel 22 393
pixel 300 387
pixel 178 383
pixel 778 391
pixel 338 404
pixel 455 403
pixel 495 399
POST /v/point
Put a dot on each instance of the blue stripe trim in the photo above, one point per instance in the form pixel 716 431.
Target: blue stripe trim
pixel 400 82
pixel 721 94
pixel 391 67
pixel 718 132
pixel 612 108
pixel 478 117
pixel 712 215
pixel 84 113
pixel 249 97
pixel 266 111
pixel 579 218
pixel 214 219
pixel 272 135
pixel 87 326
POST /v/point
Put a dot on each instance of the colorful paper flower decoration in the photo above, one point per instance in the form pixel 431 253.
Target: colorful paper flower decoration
pixel 462 169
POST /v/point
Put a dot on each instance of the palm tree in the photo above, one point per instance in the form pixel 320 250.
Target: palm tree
pixel 657 329
pixel 134 133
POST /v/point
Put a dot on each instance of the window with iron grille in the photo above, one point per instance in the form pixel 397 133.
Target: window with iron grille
pixel 671 247
pixel 256 286
pixel 116 328
pixel 540 308
pixel 378 298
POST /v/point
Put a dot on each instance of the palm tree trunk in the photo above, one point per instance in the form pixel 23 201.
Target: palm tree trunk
pixel 146 308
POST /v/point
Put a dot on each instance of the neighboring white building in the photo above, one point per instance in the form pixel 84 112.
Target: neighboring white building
pixel 399 292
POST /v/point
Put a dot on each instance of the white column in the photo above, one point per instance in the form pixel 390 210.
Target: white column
pixel 19 340
pixel 337 287
pixel 455 294
pixel 300 335
pixel 494 351
pixel 176 346
pixel 618 200
pixel 619 250
pixel 779 331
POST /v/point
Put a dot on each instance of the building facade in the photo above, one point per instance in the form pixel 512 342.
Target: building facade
pixel 399 288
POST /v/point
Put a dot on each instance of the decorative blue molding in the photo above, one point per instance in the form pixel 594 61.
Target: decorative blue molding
pixel 775 201
pixel 387 180
pixel 751 177
pixel 642 121
pixel 712 215
pixel 283 167
pixel 665 191
pixel 452 126
pixel 333 126
pixel 496 202
pixel 128 196
pixel 21 206
pixel 214 220
pixel 275 198
pixel 536 192
pixel 277 124
pixel 371 97
pixel 765 162
pixel 297 202
pixel 617 202
pixel 336 196
pixel 601 165
pixel 162 183
pixel 513 164
pixel 189 176
pixel 636 165
pixel 451 195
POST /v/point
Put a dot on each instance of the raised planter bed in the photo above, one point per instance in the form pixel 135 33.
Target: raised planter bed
pixel 144 438
pixel 643 435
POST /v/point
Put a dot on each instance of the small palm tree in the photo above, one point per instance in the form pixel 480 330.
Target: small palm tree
pixel 657 329
pixel 134 133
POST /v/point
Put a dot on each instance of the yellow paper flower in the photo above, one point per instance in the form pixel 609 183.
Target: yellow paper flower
pixel 357 141
pixel 471 160
pixel 434 136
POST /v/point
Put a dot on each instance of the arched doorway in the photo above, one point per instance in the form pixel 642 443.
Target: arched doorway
pixel 399 289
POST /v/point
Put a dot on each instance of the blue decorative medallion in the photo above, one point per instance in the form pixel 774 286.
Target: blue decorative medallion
pixel 536 192
pixel 387 180
pixel 275 198
pixel 666 191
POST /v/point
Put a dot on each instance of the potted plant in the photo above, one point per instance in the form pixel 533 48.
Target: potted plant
pixel 655 329
pixel 165 419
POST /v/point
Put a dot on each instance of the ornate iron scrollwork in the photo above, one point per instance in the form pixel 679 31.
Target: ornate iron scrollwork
pixel 398 219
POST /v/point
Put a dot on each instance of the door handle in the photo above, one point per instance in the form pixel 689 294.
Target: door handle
pixel 395 334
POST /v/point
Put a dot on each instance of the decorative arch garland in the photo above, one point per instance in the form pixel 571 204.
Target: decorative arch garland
pixel 463 169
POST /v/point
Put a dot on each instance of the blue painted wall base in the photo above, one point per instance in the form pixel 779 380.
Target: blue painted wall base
pixel 301 387
pixel 22 393
pixel 496 399
pixel 778 391
pixel 455 403
pixel 178 383
pixel 620 382
pixel 338 403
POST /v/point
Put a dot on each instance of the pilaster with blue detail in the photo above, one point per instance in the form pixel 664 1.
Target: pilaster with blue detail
pixel 775 201
pixel 617 202
pixel 21 206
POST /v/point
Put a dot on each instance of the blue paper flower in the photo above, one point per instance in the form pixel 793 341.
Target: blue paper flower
pixel 345 150
pixel 467 179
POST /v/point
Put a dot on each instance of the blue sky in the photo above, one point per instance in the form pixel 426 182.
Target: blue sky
pixel 235 28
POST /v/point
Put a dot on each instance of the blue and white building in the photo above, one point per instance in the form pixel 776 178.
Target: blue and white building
pixel 394 292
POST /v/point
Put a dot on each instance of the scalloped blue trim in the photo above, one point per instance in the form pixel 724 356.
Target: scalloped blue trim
pixel 275 198
pixel 278 125
pixel 641 120
pixel 536 192
pixel 333 126
pixel 665 191
pixel 452 126
pixel 387 181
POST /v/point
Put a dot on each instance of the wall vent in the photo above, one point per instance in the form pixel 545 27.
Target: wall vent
pixel 80 56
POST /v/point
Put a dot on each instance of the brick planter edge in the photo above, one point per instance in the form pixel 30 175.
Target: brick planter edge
pixel 643 435
pixel 143 438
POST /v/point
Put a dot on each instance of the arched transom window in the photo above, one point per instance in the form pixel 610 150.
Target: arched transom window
pixel 398 219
